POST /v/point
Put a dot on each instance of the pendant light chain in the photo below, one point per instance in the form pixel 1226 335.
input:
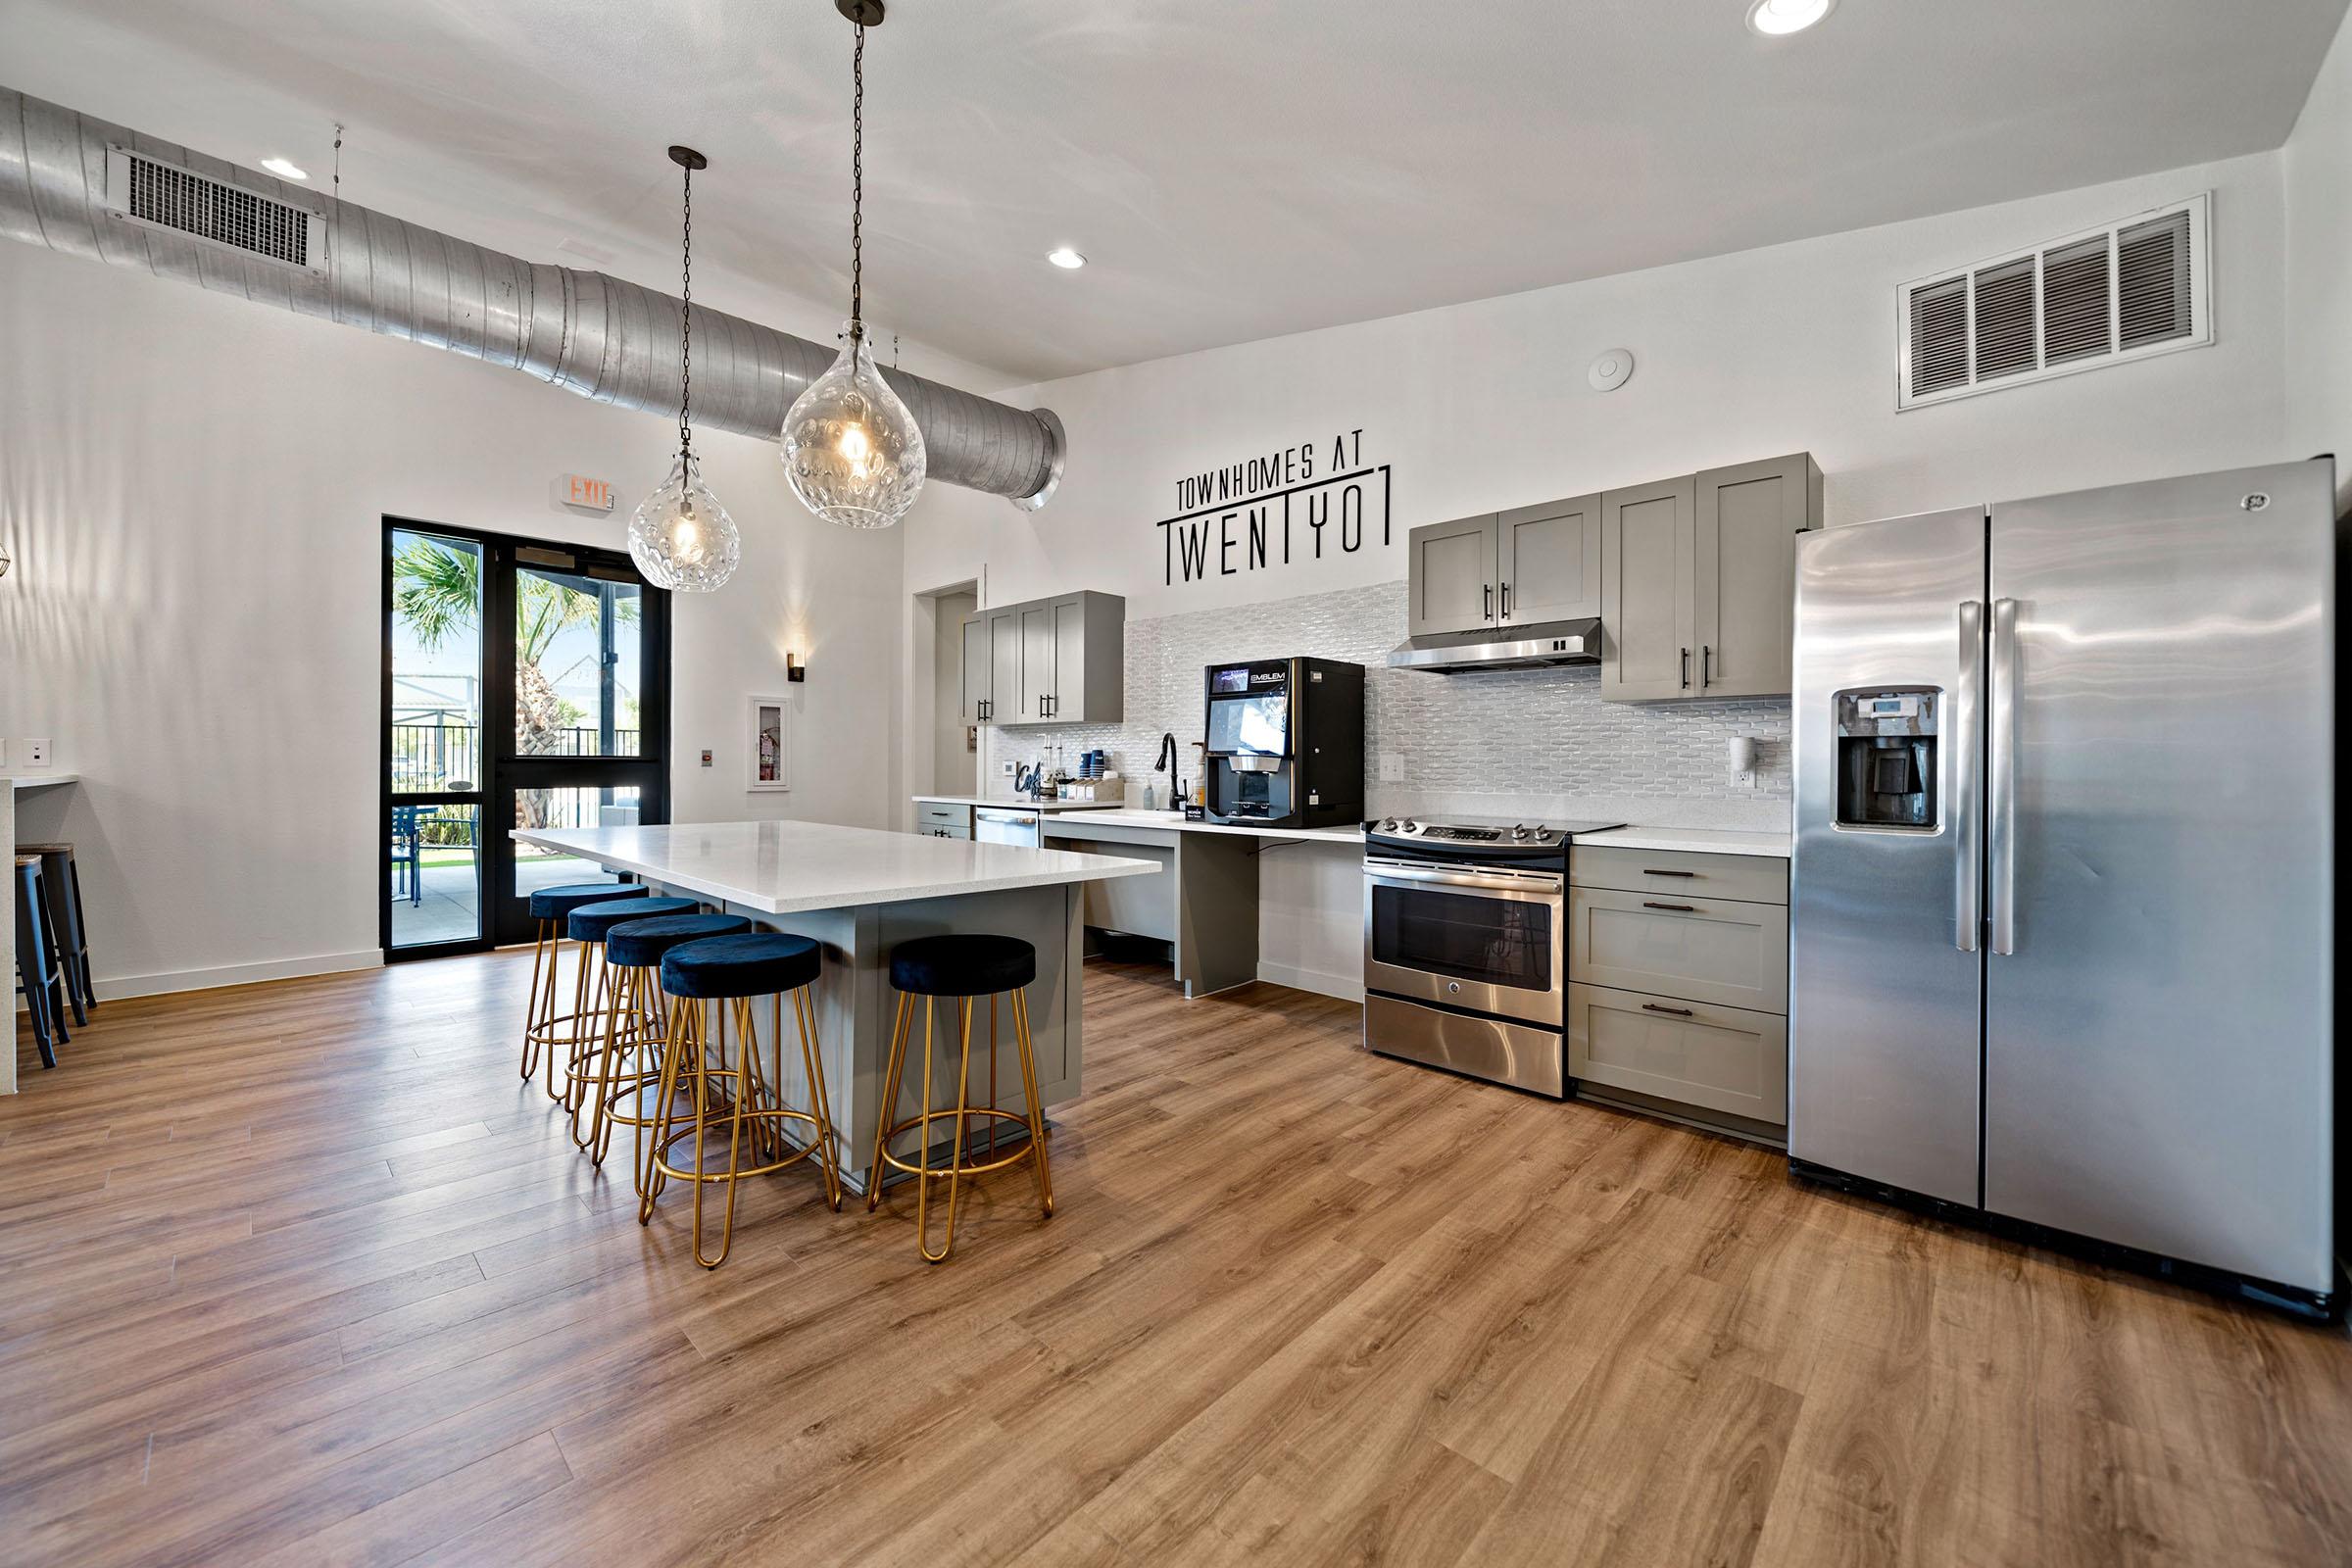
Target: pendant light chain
pixel 686 327
pixel 857 187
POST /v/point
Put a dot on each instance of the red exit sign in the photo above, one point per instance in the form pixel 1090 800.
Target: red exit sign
pixel 581 491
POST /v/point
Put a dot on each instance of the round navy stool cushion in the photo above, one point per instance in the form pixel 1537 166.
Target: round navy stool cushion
pixel 640 943
pixel 591 922
pixel 754 963
pixel 977 964
pixel 553 903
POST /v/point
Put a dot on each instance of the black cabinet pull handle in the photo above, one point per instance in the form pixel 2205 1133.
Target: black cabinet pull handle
pixel 1679 909
pixel 1488 601
pixel 1685 670
pixel 1651 871
pixel 1507 601
pixel 1679 1012
pixel 1706 663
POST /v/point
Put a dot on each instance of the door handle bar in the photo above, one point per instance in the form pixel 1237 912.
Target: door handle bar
pixel 1968 782
pixel 2002 876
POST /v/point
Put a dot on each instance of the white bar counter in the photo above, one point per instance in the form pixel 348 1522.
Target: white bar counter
pixel 858 893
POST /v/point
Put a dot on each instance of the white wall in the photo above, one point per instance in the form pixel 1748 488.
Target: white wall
pixel 2318 162
pixel 1484 406
pixel 192 487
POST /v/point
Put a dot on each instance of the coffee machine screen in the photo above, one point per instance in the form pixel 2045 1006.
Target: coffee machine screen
pixel 1886 758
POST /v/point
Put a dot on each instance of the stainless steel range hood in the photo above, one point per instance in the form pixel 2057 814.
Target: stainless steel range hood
pixel 1550 642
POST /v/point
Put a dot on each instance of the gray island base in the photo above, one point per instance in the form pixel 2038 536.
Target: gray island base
pixel 859 892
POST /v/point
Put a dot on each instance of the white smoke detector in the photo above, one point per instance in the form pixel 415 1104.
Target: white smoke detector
pixel 1611 369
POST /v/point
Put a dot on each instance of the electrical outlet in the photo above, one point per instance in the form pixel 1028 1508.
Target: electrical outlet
pixel 1006 769
pixel 1391 768
pixel 36 753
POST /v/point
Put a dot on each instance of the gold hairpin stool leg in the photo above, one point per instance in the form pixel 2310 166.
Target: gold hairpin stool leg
pixel 628 1067
pixel 753 1113
pixel 959 1120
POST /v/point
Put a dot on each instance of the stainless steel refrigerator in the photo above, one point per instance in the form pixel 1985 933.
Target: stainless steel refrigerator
pixel 2062 903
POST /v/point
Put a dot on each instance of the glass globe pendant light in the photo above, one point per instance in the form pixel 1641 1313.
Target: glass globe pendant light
pixel 681 537
pixel 852 451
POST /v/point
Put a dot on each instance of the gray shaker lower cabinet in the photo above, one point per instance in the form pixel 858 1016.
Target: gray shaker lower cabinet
pixel 1678 1001
pixel 1674 1054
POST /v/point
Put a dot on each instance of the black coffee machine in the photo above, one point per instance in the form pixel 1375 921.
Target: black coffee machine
pixel 1286 743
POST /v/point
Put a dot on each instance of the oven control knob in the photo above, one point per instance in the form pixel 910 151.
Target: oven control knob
pixel 1388 825
pixel 1411 826
pixel 1519 830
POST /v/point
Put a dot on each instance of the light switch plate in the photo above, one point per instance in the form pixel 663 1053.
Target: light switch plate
pixel 36 753
pixel 1391 768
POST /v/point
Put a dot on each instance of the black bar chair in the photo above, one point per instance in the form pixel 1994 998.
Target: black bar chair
pixel 61 882
pixel 40 971
pixel 964 968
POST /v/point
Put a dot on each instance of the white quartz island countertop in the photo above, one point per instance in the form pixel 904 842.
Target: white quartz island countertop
pixel 1690 839
pixel 1013 803
pixel 788 867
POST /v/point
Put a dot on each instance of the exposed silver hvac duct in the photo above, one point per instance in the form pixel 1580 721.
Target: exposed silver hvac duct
pixel 78 185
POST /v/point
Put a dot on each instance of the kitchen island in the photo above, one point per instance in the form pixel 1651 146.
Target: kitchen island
pixel 858 893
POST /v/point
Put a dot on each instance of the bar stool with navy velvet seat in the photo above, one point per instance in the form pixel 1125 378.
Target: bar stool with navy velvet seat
pixel 964 968
pixel 731 971
pixel 543 1027
pixel 631 1064
pixel 588 924
pixel 40 969
pixel 63 885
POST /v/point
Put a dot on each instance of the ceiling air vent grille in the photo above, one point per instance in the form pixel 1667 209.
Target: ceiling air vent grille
pixel 2120 292
pixel 152 194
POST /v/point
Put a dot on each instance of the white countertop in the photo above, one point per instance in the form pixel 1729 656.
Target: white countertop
pixel 1691 840
pixel 1174 821
pixel 1011 802
pixel 39 781
pixel 785 867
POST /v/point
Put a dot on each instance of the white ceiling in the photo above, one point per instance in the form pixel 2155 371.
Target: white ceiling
pixel 1233 169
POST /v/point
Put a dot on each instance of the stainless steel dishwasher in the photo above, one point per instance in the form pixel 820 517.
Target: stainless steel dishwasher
pixel 1006 824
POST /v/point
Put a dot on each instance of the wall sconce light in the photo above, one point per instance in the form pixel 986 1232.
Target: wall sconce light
pixel 794 670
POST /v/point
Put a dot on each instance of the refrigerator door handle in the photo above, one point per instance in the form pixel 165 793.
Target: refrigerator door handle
pixel 2003 816
pixel 1968 782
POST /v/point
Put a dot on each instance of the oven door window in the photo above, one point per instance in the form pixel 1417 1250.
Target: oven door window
pixel 1463 936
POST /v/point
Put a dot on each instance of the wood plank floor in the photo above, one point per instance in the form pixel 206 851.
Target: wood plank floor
pixel 303 1273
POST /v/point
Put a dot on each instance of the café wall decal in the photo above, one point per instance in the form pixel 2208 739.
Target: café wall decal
pixel 1297 503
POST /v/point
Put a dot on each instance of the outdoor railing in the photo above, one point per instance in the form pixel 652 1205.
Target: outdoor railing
pixel 425 758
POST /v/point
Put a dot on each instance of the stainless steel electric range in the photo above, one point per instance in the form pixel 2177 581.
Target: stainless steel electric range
pixel 1465 966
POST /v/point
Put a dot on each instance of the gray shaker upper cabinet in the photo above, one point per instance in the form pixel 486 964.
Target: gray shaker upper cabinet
pixel 1749 518
pixel 1046 661
pixel 1450 568
pixel 1089 661
pixel 1649 577
pixel 1548 562
pixel 975 669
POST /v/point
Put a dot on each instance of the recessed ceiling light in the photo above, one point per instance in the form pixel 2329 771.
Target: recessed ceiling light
pixel 1774 17
pixel 284 170
pixel 1065 257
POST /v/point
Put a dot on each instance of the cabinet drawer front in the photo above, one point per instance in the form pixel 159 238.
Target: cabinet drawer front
pixel 1756 878
pixel 1713 950
pixel 1723 1058
pixel 930 816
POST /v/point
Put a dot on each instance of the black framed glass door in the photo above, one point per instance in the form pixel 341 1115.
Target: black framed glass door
pixel 525 685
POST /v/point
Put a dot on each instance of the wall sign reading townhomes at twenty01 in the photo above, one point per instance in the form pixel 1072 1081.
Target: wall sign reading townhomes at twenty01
pixel 1314 500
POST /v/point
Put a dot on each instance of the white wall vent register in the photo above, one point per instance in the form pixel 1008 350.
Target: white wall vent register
pixel 153 194
pixel 2125 291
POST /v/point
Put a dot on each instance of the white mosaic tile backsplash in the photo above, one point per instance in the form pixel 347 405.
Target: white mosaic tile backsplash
pixel 1529 743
